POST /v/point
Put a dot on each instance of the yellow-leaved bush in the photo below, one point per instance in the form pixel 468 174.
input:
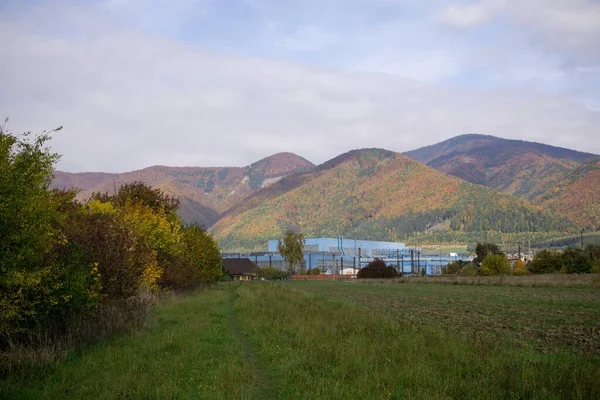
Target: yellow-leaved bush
pixel 520 268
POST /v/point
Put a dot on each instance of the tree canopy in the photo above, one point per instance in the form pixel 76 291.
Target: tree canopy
pixel 292 248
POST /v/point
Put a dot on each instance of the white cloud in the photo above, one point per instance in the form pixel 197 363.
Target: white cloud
pixel 469 15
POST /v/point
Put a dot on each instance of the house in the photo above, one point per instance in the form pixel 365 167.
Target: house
pixel 241 269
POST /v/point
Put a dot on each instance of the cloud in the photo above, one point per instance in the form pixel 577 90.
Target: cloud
pixel 129 97
pixel 306 38
pixel 469 15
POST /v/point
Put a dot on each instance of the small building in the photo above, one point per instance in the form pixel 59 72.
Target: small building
pixel 241 269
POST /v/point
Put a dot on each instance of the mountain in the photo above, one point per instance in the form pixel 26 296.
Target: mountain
pixel 577 196
pixel 205 193
pixel 520 168
pixel 375 194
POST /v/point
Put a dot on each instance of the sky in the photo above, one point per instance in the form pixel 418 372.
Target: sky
pixel 137 83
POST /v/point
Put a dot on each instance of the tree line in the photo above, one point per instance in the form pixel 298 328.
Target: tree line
pixel 70 268
pixel 490 260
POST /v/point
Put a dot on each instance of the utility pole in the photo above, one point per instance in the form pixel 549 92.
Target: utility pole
pixel 333 264
pixel 402 262
pixel 582 230
pixel 397 258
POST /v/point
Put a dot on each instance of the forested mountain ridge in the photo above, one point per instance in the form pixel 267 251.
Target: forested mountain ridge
pixel 577 196
pixel 521 168
pixel 376 194
pixel 204 192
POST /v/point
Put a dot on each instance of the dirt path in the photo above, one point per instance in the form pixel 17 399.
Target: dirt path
pixel 266 388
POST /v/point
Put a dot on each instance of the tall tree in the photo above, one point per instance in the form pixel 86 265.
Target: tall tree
pixel 484 249
pixel 292 248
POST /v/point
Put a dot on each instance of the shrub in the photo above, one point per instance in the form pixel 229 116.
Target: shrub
pixel 202 253
pixel 576 261
pixel 272 274
pixel 43 280
pixel 377 269
pixel 316 271
pixel 470 269
pixel 454 267
pixel 520 268
pixel 495 264
pixel 119 254
pixel 71 269
pixel 545 262
pixel 593 252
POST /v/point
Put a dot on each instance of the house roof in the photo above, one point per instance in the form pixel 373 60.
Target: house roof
pixel 240 266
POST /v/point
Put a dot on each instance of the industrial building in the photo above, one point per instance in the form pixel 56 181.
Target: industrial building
pixel 341 255
pixel 342 246
pixel 331 255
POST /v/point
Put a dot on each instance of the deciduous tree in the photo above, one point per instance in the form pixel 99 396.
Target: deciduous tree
pixel 292 248
pixel 495 264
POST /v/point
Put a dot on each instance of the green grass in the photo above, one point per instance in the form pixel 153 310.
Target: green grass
pixel 546 319
pixel 335 340
pixel 442 248
pixel 328 347
pixel 189 350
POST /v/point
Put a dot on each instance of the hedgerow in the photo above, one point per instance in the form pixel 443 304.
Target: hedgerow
pixel 65 264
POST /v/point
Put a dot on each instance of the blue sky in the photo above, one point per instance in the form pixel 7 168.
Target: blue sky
pixel 210 82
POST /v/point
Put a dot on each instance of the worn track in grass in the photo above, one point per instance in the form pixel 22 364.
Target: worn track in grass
pixel 265 384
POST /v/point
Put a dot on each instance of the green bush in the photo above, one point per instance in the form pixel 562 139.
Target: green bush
pixel 576 261
pixel 470 269
pixel 495 264
pixel 202 253
pixel 377 269
pixel 273 274
pixel 43 279
pixel 545 262
pixel 64 264
pixel 593 252
pixel 454 267
pixel 570 261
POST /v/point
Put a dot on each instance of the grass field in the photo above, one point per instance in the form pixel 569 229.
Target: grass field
pixel 547 319
pixel 343 340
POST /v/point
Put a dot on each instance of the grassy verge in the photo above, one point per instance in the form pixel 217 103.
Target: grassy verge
pixel 190 352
